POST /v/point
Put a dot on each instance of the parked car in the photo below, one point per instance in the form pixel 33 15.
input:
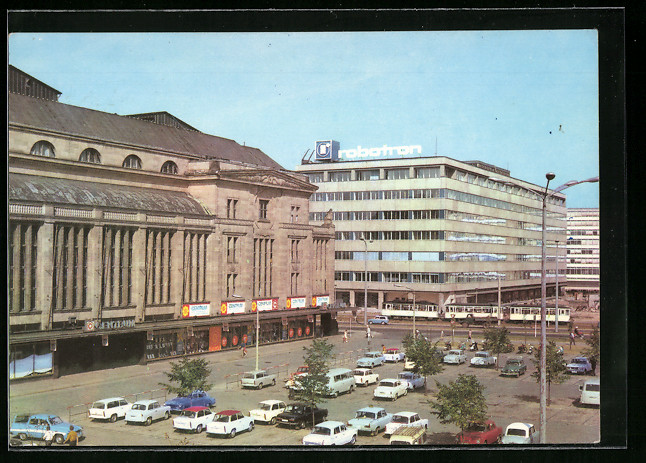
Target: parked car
pixel 408 435
pixel 365 376
pixel 455 356
pixel 193 419
pixel 267 411
pixel 194 399
pixel 371 360
pixel 579 365
pixel 401 419
pixel 590 392
pixel 331 433
pixel 412 380
pixel 390 388
pixel 378 319
pixel 340 380
pixel 229 423
pixel 520 433
pixel 370 419
pixel 480 433
pixel 300 415
pixel 33 426
pixel 514 367
pixel 393 354
pixel 147 411
pixel 257 379
pixel 483 358
pixel 109 409
pixel 302 370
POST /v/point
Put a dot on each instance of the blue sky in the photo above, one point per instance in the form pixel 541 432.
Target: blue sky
pixel 526 101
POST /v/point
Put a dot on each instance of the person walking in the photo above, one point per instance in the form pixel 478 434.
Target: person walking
pixel 593 364
pixel 383 349
pixel 48 437
pixel 345 336
pixel 572 339
pixel 72 438
pixel 368 335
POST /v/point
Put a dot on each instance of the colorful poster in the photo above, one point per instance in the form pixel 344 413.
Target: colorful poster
pixel 235 307
pixel 196 310
pixel 296 302
pixel 318 301
pixel 264 304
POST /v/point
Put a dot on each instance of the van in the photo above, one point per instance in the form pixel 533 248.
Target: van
pixel 590 392
pixel 340 380
pixel 408 435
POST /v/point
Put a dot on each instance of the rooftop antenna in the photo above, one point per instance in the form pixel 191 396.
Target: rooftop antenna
pixel 307 161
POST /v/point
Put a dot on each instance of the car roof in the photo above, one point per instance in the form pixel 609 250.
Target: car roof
pixel 272 401
pixel 592 381
pixel 374 352
pixel 254 371
pixel 111 398
pixel 228 412
pixel 195 409
pixel 363 369
pixel 520 425
pixel 146 401
pixel 370 408
pixel 388 379
pixel 482 352
pixel 409 414
pixel 336 371
pixel 392 348
pixel 330 424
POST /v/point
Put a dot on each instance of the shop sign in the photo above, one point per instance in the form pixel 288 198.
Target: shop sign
pixel 196 310
pixel 264 304
pixel 296 302
pixel 95 325
pixel 384 150
pixel 227 308
pixel 320 300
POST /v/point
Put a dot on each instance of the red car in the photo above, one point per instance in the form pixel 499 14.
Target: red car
pixel 479 433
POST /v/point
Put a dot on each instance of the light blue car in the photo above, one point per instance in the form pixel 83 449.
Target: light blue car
pixel 412 380
pixel 378 320
pixel 34 427
pixel 371 360
pixel 371 420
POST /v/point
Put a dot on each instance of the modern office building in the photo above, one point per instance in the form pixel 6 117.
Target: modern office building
pixel 583 257
pixel 450 231
pixel 133 238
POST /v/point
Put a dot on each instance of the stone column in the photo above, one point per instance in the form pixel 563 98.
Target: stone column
pixel 380 296
pixel 45 270
pixel 139 270
pixel 352 298
pixel 95 267
pixel 177 268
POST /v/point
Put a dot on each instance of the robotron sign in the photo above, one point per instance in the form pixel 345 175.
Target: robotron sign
pixel 329 151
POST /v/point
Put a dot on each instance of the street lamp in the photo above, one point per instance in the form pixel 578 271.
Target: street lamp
pixel 257 328
pixel 543 349
pixel 365 285
pixel 414 311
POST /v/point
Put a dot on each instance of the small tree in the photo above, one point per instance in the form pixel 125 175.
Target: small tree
pixel 425 356
pixel 190 376
pixel 555 367
pixel 312 387
pixel 497 341
pixel 592 351
pixel 461 402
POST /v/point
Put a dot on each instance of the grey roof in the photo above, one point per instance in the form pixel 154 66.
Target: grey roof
pixel 74 120
pixel 57 191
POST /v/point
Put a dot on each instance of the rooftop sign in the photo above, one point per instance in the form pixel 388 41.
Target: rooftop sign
pixel 327 151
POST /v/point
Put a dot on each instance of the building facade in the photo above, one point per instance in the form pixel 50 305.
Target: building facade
pixel 448 231
pixel 583 257
pixel 133 238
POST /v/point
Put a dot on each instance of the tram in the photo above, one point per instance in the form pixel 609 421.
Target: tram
pixel 403 310
pixel 472 312
pixel 526 313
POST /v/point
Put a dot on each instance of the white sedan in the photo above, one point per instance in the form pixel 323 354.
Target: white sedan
pixel 394 355
pixel 455 356
pixel 267 411
pixel 391 388
pixel 405 419
pixel 365 376
pixel 193 419
pixel 229 422
pixel 483 359
pixel 331 433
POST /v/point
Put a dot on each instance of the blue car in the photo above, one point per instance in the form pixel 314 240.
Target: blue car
pixel 34 426
pixel 194 399
pixel 378 320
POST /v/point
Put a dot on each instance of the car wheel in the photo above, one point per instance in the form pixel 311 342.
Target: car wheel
pixel 498 440
pixel 335 394
pixel 251 426
pixel 393 398
pixel 301 425
pixel 149 421
pixel 374 432
pixel 405 391
pixel 59 439
pixel 351 389
pixel 113 418
pixel 198 429
pixel 273 420
pixel 22 436
pixel 166 415
pixel 353 440
pixel 369 323
pixel 259 386
pixel 232 434
pixel 273 382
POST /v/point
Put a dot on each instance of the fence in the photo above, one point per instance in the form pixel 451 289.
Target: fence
pixel 281 370
pixel 82 409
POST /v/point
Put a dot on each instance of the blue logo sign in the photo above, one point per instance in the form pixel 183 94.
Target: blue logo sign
pixel 327 150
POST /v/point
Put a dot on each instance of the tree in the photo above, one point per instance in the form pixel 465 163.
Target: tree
pixel 313 386
pixel 555 367
pixel 190 375
pixel 425 355
pixel 497 341
pixel 592 351
pixel 461 402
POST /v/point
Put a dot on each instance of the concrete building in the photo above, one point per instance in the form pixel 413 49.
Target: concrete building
pixel 450 231
pixel 583 257
pixel 133 238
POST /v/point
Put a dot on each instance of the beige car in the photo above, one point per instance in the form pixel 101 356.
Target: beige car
pixel 408 435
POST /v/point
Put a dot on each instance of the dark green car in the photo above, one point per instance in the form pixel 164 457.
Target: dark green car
pixel 514 367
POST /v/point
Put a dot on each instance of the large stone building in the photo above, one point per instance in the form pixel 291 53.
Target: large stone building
pixel 448 231
pixel 133 238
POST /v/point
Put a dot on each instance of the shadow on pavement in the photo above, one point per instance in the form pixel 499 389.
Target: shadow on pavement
pixel 528 398
pixel 441 438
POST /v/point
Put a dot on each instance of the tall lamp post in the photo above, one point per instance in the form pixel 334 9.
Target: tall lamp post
pixel 365 285
pixel 414 311
pixel 556 308
pixel 543 357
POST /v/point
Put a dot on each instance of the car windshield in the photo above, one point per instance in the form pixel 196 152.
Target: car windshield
pixel 321 430
pixel 476 427
pixel 293 408
pixel 387 383
pixel 98 405
pixel 400 419
pixel 513 362
pixel 139 407
pixel 592 387
pixel 249 376
pixel 373 355
pixel 55 420
pixel 454 352
pixel 222 418
pixel 359 373
pixel 362 414
pixel 578 360
pixel 481 354
pixel 21 419
pixel 516 432
pixel 189 414
pixel 404 375
pixel 265 406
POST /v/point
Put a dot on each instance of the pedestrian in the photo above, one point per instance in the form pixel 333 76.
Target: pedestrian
pixel 469 335
pixel 383 349
pixel 345 336
pixel 72 438
pixel 368 335
pixel 576 332
pixel 593 364
pixel 572 339
pixel 244 349
pixel 48 436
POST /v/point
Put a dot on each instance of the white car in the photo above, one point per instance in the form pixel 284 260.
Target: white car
pixel 193 419
pixel 331 433
pixel 520 433
pixel 483 359
pixel 412 380
pixel 257 379
pixel 267 411
pixel 109 409
pixel 390 388
pixel 147 411
pixel 229 422
pixel 408 365
pixel 393 354
pixel 405 419
pixel 455 356
pixel 365 376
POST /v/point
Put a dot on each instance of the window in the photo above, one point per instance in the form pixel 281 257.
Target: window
pixel 368 175
pixel 117 267
pixel 231 284
pixel 397 174
pixel 132 162
pixel 294 251
pixel 262 213
pixel 343 176
pixel 43 148
pixel 232 205
pixel 294 214
pixel 427 172
pixel 169 167
pixel 23 259
pixel 232 244
pixel 294 283
pixel 90 155
pixel 316 177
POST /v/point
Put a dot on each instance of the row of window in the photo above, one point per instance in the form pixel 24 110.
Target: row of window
pixel 453 277
pixel 583 232
pixel 405 235
pixel 441 256
pixel 92 156
pixel 583 271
